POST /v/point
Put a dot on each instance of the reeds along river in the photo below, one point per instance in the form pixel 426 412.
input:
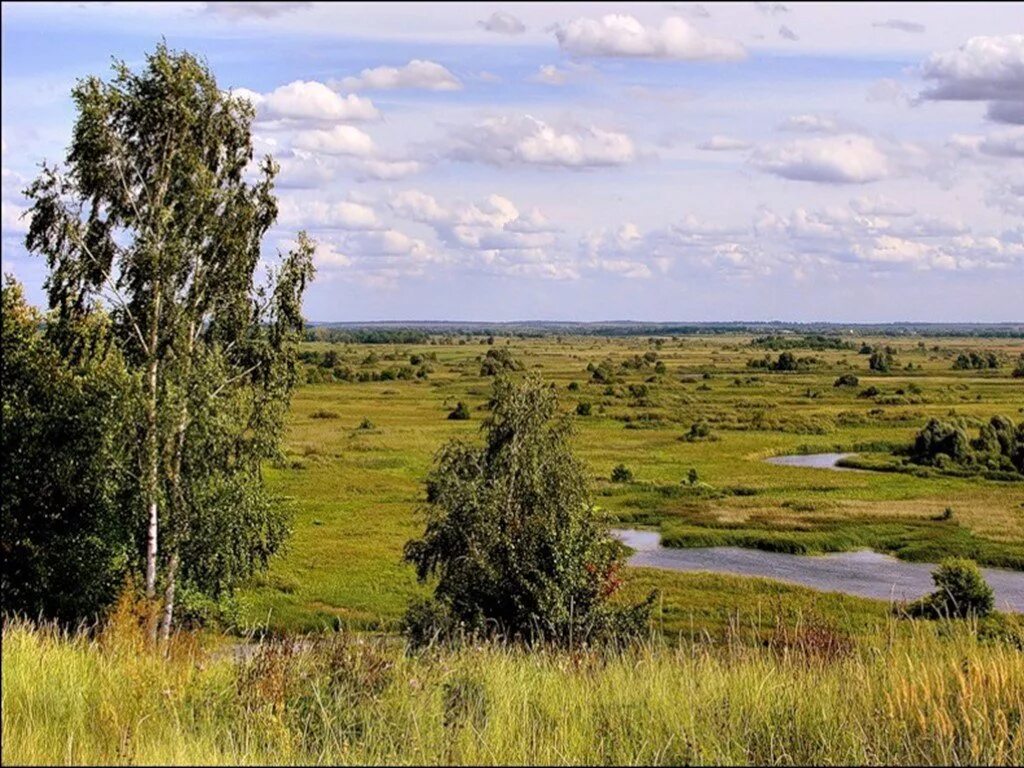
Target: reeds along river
pixel 863 573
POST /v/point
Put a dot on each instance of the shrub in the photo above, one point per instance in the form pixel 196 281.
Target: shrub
pixel 880 361
pixel 322 413
pixel 365 423
pixel 511 537
pixel 846 380
pixel 583 409
pixel 461 412
pixel 622 474
pixel 961 591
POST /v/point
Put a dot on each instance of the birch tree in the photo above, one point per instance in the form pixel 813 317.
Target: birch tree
pixel 159 212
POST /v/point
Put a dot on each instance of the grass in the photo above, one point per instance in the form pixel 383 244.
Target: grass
pixel 356 491
pixel 924 694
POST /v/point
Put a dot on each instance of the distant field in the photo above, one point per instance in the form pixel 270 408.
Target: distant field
pixel 356 490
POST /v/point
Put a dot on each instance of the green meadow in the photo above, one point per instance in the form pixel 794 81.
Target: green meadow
pixel 356 454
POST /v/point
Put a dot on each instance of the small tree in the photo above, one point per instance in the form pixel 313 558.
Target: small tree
pixel 961 591
pixel 511 536
pixel 880 361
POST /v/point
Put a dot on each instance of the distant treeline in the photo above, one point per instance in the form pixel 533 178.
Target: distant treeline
pixel 419 331
pixel 816 341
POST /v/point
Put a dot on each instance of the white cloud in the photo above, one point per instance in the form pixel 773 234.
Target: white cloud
pixel 388 170
pixel 526 140
pixel 810 124
pixel 879 205
pixel 12 219
pixel 339 140
pixel 503 23
pixel 299 214
pixel 303 100
pixel 625 36
pixel 842 159
pixel 424 75
pixel 719 143
pixel 983 68
pixel 549 74
pixel 253 10
pixel 900 25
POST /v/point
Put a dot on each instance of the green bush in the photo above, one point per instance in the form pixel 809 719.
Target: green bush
pixel 847 380
pixel 583 409
pixel 622 474
pixel 460 413
pixel 961 591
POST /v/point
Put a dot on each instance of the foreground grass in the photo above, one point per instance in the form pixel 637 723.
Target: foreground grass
pixel 920 694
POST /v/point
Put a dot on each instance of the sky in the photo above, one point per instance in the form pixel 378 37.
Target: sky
pixel 848 162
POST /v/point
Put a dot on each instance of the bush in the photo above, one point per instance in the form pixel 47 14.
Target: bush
pixel 322 413
pixel 622 474
pixel 961 591
pixel 847 380
pixel 583 409
pixel 366 423
pixel 511 537
pixel 461 412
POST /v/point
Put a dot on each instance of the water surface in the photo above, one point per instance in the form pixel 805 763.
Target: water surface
pixel 814 460
pixel 863 573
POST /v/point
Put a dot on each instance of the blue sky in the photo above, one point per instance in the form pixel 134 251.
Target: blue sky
pixel 595 161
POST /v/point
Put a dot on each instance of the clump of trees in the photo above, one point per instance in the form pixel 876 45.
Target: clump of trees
pixel 998 446
pixel 816 341
pixel 882 360
pixel 699 431
pixel 511 536
pixel 602 373
pixel 498 361
pixel 961 591
pixel 170 366
pixel 786 361
pixel 978 361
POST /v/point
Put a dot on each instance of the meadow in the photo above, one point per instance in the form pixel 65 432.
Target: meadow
pixel 356 454
pixel 734 670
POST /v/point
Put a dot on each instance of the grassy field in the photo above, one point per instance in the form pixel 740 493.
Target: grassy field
pixel 356 489
pixel 925 694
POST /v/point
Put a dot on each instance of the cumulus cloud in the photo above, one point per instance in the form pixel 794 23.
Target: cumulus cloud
pixel 982 69
pixel 723 144
pixel 339 140
pixel 880 205
pixel 809 124
pixel 492 234
pixel 900 25
pixel 387 170
pixel 529 141
pixel 503 23
pixel 621 35
pixel 303 100
pixel 842 159
pixel 549 74
pixel 317 214
pixel 12 218
pixel 418 73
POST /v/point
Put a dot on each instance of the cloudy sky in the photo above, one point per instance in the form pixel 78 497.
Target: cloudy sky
pixel 596 161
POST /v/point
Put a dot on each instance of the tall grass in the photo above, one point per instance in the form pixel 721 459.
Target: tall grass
pixel 929 693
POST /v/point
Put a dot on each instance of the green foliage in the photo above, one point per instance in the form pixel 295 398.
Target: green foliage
pixel 583 409
pixel 998 447
pixel 460 412
pixel 511 536
pixel 961 591
pixel 786 361
pixel 846 380
pixel 881 361
pixel 621 474
pixel 815 341
pixel 498 361
pixel 978 361
pixel 67 535
pixel 153 212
